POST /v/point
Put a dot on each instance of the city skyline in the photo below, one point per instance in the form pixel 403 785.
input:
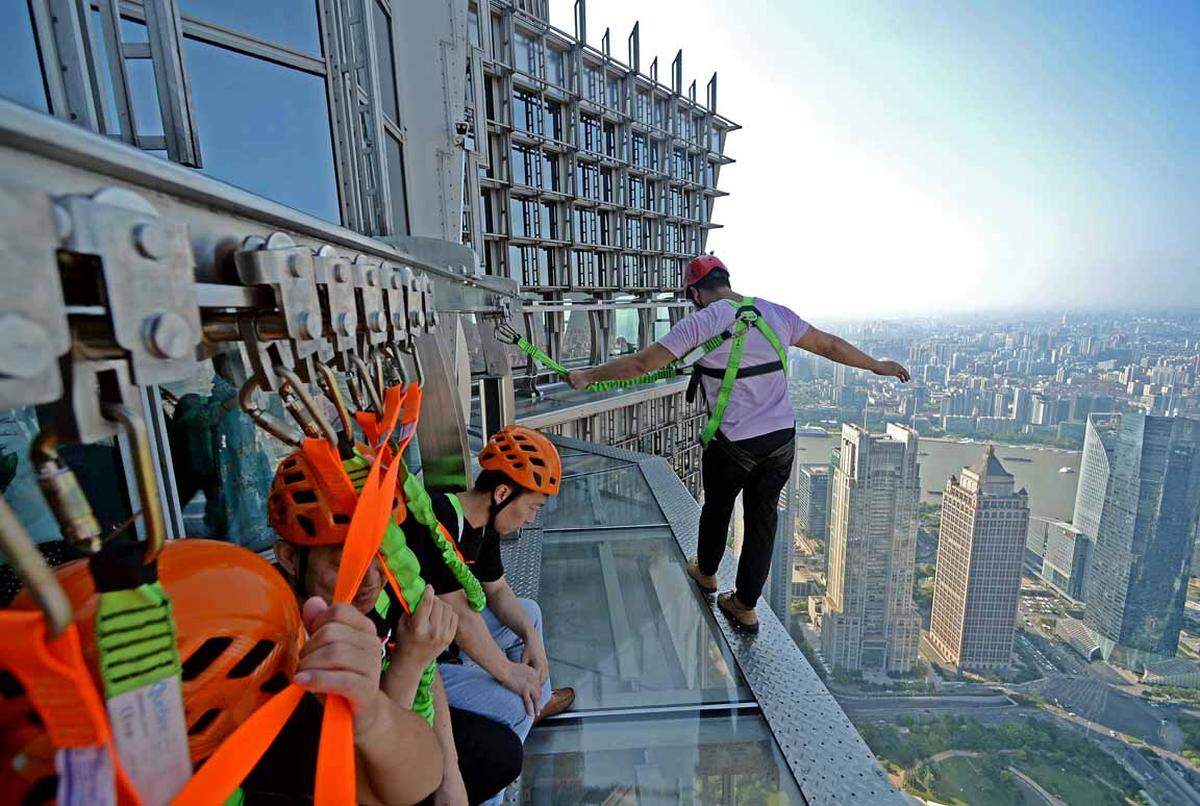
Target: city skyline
pixel 945 158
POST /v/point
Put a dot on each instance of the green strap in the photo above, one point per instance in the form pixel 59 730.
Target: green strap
pixel 421 507
pixel 744 322
pixel 533 351
pixel 406 568
pixel 135 635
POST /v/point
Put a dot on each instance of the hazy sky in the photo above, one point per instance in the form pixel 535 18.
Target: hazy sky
pixel 911 157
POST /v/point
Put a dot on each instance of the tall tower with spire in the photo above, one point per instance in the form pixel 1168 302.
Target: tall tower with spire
pixel 978 582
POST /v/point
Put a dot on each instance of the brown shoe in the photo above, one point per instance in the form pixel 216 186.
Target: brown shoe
pixel 560 700
pixel 740 617
pixel 707 583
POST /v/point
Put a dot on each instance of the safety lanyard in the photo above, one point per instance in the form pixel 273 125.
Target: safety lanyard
pixel 673 370
pixel 420 506
pixel 55 677
pixel 747 316
pixel 141 672
pixel 225 769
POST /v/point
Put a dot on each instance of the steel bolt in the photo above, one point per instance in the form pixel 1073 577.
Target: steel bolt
pixel 27 350
pixel 343 324
pixel 372 277
pixel 294 266
pixel 340 272
pixel 150 240
pixel 377 321
pixel 168 335
pixel 305 324
pixel 396 281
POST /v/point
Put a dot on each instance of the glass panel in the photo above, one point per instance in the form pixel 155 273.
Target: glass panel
pixel 397 183
pixel 717 759
pixel 618 498
pixel 625 330
pixel 292 23
pixel 223 463
pixel 577 336
pixel 386 60
pixel 625 625
pixel 580 464
pixel 282 149
pixel 20 70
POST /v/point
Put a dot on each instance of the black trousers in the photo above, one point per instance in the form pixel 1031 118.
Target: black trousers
pixel 758 468
pixel 489 754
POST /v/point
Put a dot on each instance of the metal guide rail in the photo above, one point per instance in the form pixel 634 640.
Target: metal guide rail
pixel 120 272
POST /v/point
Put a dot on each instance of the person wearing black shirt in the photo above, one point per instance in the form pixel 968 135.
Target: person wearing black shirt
pixel 497 666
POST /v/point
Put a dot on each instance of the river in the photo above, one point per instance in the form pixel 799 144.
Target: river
pixel 1051 494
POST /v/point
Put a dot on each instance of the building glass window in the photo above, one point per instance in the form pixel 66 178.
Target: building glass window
pixel 526 166
pixel 473 27
pixel 386 60
pixel 610 139
pixel 554 127
pixel 396 182
pixel 614 93
pixel 527 112
pixel 589 134
pixel 282 150
pixel 550 172
pixel 20 69
pixel 527 54
pixel 291 23
pixel 556 72
pixel 606 184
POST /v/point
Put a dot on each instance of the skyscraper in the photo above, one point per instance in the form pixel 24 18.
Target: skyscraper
pixel 871 622
pixel 812 502
pixel 1137 584
pixel 1022 405
pixel 978 582
pixel 779 582
pixel 1099 439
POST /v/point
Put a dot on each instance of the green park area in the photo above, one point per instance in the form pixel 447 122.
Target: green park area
pixel 955 760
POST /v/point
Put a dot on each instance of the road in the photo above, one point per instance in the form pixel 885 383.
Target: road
pixel 1106 705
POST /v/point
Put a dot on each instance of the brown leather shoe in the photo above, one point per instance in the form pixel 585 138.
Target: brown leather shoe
pixel 560 700
pixel 707 583
pixel 740 617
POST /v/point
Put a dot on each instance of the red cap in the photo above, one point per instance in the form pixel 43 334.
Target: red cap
pixel 699 268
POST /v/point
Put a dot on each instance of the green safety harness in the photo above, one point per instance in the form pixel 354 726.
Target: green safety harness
pixel 746 316
pixel 404 570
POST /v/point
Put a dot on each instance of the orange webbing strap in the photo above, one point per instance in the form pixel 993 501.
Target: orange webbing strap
pixel 56 680
pixel 335 778
pixel 335 782
pixel 393 583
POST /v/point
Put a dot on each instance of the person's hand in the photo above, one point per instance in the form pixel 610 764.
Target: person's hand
pixel 452 792
pixel 525 681
pixel 534 656
pixel 892 369
pixel 341 657
pixel 579 378
pixel 425 633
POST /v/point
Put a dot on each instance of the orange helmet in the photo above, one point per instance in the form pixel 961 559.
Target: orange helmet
pixel 313 495
pixel 239 633
pixel 525 456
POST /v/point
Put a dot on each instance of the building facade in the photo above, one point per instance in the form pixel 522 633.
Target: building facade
pixel 1137 584
pixel 1099 439
pixel 1067 552
pixel 978 582
pixel 812 502
pixel 870 622
pixel 592 179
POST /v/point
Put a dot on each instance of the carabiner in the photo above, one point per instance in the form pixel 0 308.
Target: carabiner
pixel 318 425
pixel 264 419
pixel 147 482
pixel 18 548
pixel 328 384
pixel 373 392
pixel 506 332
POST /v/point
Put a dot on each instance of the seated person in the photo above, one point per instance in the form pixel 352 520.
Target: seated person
pixel 497 666
pixel 481 756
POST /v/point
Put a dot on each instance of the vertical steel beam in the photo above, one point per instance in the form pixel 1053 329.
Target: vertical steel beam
pixel 165 32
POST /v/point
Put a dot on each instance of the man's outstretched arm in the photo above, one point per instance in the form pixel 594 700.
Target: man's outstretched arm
pixel 837 349
pixel 624 368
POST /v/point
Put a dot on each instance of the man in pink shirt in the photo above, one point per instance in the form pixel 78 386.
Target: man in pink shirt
pixel 750 437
